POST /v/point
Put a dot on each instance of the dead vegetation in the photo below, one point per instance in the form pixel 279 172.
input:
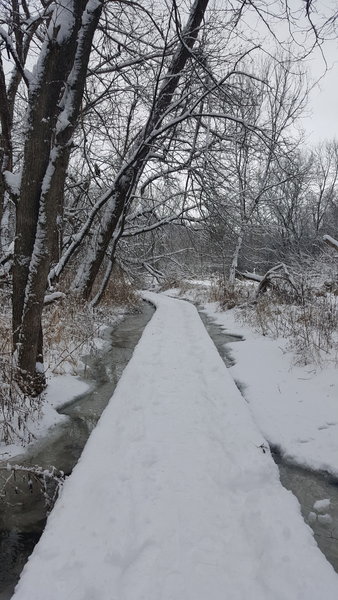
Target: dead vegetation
pixel 71 329
pixel 15 480
pixel 228 296
pixel 310 328
pixel 120 292
pixel 299 304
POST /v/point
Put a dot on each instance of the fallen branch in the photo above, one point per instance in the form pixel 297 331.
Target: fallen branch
pixel 250 276
pixel 331 241
pixel 50 298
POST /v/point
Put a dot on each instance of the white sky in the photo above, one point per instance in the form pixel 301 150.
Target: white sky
pixel 322 120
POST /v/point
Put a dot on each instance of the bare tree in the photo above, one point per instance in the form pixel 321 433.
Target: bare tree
pixel 324 182
pixel 119 195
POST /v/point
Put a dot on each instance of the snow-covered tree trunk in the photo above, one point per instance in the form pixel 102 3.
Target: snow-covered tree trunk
pixel 53 105
pixel 235 256
pixel 5 139
pixel 122 188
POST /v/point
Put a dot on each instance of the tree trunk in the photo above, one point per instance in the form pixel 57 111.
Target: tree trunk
pixel 5 139
pixel 235 257
pixel 61 76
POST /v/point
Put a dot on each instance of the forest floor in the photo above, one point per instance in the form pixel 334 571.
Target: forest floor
pixel 176 494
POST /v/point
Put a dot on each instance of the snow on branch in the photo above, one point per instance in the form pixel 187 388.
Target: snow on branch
pixel 250 276
pixel 280 271
pixel 12 52
pixel 13 182
pixel 331 241
pixel 8 255
pixel 62 21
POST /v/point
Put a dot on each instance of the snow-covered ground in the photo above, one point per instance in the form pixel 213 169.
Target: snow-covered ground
pixel 295 408
pixel 60 390
pixel 62 383
pixel 176 495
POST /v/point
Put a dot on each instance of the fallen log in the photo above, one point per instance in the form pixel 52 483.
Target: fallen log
pixel 250 276
pixel 331 241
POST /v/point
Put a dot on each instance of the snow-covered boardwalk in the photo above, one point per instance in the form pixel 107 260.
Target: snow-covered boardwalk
pixel 174 497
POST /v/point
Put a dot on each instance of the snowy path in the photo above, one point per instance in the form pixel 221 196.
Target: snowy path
pixel 173 498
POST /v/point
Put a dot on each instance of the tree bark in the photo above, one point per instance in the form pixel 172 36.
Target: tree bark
pixel 5 139
pixel 46 157
pixel 235 257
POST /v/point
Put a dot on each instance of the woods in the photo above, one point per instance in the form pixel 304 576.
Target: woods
pixel 160 138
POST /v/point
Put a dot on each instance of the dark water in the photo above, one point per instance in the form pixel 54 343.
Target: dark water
pixel 221 338
pixel 307 486
pixel 23 510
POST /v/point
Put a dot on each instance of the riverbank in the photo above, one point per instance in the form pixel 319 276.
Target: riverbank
pixel 67 376
pixel 176 494
pixel 23 509
pixel 295 407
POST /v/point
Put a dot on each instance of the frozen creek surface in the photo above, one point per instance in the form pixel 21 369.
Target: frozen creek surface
pixel 306 485
pixel 22 523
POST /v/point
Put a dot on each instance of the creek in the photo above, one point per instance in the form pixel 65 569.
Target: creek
pixel 23 515
pixel 308 486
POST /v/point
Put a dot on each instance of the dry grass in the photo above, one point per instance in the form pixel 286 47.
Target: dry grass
pixel 301 306
pixel 120 292
pixel 175 283
pixel 310 327
pixel 15 406
pixel 71 328
pixel 229 296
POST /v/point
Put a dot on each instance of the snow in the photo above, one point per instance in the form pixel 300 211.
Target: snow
pixel 295 407
pixel 173 497
pixel 13 181
pixel 322 505
pixel 325 519
pixel 49 298
pixel 60 390
pixel 62 20
pixel 331 241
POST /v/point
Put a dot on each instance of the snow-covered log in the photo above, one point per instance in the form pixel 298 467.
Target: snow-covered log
pixel 250 276
pixel 50 298
pixel 331 241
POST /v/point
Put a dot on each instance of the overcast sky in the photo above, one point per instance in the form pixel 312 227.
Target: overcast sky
pixel 322 122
